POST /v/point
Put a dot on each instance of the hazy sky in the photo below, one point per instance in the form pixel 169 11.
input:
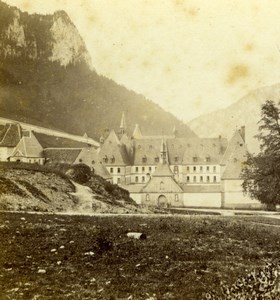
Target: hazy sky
pixel 189 56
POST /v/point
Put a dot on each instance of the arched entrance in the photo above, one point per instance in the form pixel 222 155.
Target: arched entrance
pixel 162 201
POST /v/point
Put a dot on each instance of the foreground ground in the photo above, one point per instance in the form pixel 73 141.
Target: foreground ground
pixel 82 257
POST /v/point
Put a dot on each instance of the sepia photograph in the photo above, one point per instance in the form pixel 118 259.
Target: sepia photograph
pixel 139 150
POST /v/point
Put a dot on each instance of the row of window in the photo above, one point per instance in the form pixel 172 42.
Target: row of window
pixel 175 169
pixel 201 169
pixel 138 178
pixel 118 170
pixel 144 169
pixel 201 179
pixel 106 159
pixel 207 159
pixel 80 160
pixel 176 159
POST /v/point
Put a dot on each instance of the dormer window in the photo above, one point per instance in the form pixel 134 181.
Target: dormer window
pixel 156 159
pixel 144 159
pixel 176 158
pixel 112 159
pixel 195 159
pixel 105 159
pixel 26 133
pixel 208 159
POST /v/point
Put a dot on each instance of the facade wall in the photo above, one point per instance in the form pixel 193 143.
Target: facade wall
pixel 118 174
pixel 141 174
pixel 136 197
pixel 177 170
pixel 233 196
pixel 203 200
pixel 154 199
pixel 30 160
pixel 197 173
pixel 5 152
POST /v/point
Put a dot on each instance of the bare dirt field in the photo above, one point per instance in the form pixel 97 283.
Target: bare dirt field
pixel 91 257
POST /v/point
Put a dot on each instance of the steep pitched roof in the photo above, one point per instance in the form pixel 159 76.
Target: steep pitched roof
pixel 162 181
pixel 61 155
pixel 162 185
pixel 88 155
pixel 137 134
pixel 146 150
pixel 236 145
pixel 101 170
pixel 233 170
pixel 176 149
pixel 163 170
pixel 234 157
pixel 50 141
pixel 205 151
pixel 10 135
pixel 113 151
pixel 126 141
pixel 28 146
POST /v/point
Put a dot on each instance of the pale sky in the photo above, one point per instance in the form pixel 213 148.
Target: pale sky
pixel 189 56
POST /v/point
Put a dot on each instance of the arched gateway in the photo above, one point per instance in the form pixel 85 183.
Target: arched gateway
pixel 162 201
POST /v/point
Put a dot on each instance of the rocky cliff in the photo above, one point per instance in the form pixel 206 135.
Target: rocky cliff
pixel 47 79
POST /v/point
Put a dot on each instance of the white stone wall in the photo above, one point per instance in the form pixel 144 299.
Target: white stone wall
pixel 203 200
pixel 5 152
pixel 233 197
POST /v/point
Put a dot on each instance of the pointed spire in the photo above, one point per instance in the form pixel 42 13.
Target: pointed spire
pixel 123 124
pixel 137 132
pixel 163 152
pixel 85 135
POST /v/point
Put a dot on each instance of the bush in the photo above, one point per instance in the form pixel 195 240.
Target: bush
pixel 261 284
pixel 80 173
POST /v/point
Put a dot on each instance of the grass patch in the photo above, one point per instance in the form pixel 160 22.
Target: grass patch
pixel 92 258
pixel 34 191
pixel 7 186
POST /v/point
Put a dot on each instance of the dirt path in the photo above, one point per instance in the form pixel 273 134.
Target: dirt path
pixel 85 196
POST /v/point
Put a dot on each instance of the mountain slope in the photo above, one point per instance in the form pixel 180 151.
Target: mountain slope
pixel 246 111
pixel 47 79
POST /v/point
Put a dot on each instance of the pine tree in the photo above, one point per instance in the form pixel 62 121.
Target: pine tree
pixel 261 172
